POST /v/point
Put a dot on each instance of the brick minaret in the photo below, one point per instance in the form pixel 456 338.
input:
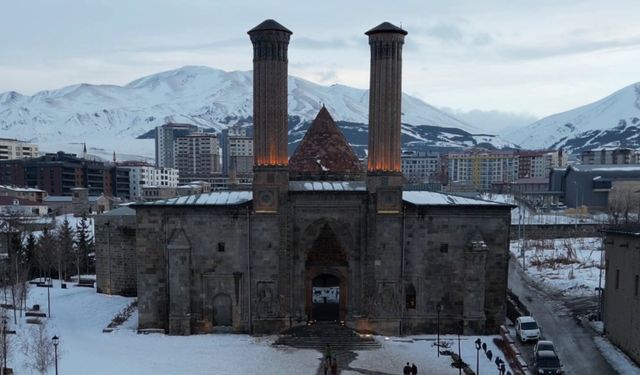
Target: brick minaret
pixel 270 116
pixel 385 108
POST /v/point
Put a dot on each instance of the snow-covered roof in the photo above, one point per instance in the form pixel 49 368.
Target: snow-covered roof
pixel 606 167
pixel 66 198
pixel 327 186
pixel 120 211
pixel 216 198
pixel 431 198
pixel 22 189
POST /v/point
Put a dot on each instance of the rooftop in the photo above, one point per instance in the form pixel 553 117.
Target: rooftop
pixel 386 27
pixel 270 25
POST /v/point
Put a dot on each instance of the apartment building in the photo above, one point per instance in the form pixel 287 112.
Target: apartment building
pixel 419 166
pixel 14 149
pixel 237 151
pixel 610 156
pixel 143 175
pixel 165 139
pixel 197 156
pixel 481 168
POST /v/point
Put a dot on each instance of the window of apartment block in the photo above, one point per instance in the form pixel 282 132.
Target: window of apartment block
pixel 444 247
pixel 221 247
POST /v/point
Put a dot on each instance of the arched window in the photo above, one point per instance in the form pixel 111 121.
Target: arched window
pixel 410 295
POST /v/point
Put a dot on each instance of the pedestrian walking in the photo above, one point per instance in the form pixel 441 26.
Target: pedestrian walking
pixel 406 370
pixel 334 367
pixel 326 367
pixel 327 352
pixel 414 369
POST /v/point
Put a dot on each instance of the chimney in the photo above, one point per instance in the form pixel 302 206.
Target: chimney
pixel 384 173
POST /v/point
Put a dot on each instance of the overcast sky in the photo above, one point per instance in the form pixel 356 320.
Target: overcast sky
pixel 526 58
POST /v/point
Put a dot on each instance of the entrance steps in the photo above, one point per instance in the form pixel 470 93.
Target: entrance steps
pixel 319 335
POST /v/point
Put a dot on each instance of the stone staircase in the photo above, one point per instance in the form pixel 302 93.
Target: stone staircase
pixel 319 335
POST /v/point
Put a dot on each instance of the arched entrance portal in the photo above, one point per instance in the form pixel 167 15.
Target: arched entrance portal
pixel 326 298
pixel 222 310
pixel 326 271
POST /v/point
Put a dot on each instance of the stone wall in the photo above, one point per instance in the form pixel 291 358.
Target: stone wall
pixel 622 297
pixel 115 239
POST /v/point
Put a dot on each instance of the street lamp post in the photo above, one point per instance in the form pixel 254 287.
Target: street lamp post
pixel 439 308
pixel 478 346
pixel 49 299
pixel 56 340
pixel 4 345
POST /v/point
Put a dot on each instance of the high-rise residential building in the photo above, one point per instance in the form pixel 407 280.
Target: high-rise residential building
pixel 237 151
pixel 603 156
pixel 482 168
pixel 197 156
pixel 420 166
pixel 58 173
pixel 144 175
pixel 14 149
pixel 537 164
pixel 165 139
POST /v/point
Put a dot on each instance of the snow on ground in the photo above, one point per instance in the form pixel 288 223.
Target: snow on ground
pixel 616 358
pixel 397 351
pixel 80 314
pixel 549 264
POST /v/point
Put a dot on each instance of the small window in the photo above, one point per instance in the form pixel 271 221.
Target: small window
pixel 221 247
pixel 411 297
pixel 617 279
pixel 636 286
pixel 444 247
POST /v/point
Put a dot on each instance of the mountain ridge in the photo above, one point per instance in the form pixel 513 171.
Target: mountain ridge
pixel 111 117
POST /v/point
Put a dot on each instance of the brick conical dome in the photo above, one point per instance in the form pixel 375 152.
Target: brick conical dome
pixel 324 153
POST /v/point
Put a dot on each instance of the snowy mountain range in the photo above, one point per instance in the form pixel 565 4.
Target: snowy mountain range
pixel 111 118
pixel 610 122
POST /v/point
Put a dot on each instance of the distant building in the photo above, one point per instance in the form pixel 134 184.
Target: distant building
pixel 11 149
pixel 146 175
pixel 419 166
pixel 58 173
pixel 22 207
pixel 537 164
pixel 610 156
pixel 66 204
pixel 621 302
pixel 590 185
pixel 481 168
pixel 197 156
pixel 237 151
pixel 165 138
pixel 31 194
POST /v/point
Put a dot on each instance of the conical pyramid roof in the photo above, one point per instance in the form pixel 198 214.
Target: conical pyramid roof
pixel 324 151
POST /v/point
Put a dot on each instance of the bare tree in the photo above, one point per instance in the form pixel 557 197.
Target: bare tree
pixel 6 346
pixel 624 203
pixel 38 348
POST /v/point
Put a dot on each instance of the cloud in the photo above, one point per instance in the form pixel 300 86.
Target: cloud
pixel 521 52
pixel 492 120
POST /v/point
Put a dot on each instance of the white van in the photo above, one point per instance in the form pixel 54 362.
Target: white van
pixel 527 329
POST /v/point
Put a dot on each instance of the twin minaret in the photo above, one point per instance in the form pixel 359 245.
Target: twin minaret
pixel 270 116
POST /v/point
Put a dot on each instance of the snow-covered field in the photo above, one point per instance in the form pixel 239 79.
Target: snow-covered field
pixel 569 266
pixel 80 314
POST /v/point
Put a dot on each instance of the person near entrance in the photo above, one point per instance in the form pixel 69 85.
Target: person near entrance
pixel 406 370
pixel 326 366
pixel 414 369
pixel 334 367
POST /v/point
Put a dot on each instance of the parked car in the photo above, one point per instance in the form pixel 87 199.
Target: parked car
pixel 527 329
pixel 546 362
pixel 543 345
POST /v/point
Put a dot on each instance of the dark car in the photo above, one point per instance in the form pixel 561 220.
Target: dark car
pixel 547 363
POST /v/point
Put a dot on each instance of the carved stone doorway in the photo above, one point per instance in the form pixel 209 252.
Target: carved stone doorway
pixel 326 277
pixel 326 298
pixel 222 310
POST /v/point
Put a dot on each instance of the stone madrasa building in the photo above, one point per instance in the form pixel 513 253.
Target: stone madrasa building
pixel 318 237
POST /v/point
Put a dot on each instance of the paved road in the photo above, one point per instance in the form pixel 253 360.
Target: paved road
pixel 574 343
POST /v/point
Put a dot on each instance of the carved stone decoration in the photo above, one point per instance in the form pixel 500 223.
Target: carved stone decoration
pixel 326 249
pixel 266 299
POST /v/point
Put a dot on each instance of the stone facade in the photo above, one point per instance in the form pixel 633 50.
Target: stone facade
pixel 621 313
pixel 320 242
pixel 115 238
